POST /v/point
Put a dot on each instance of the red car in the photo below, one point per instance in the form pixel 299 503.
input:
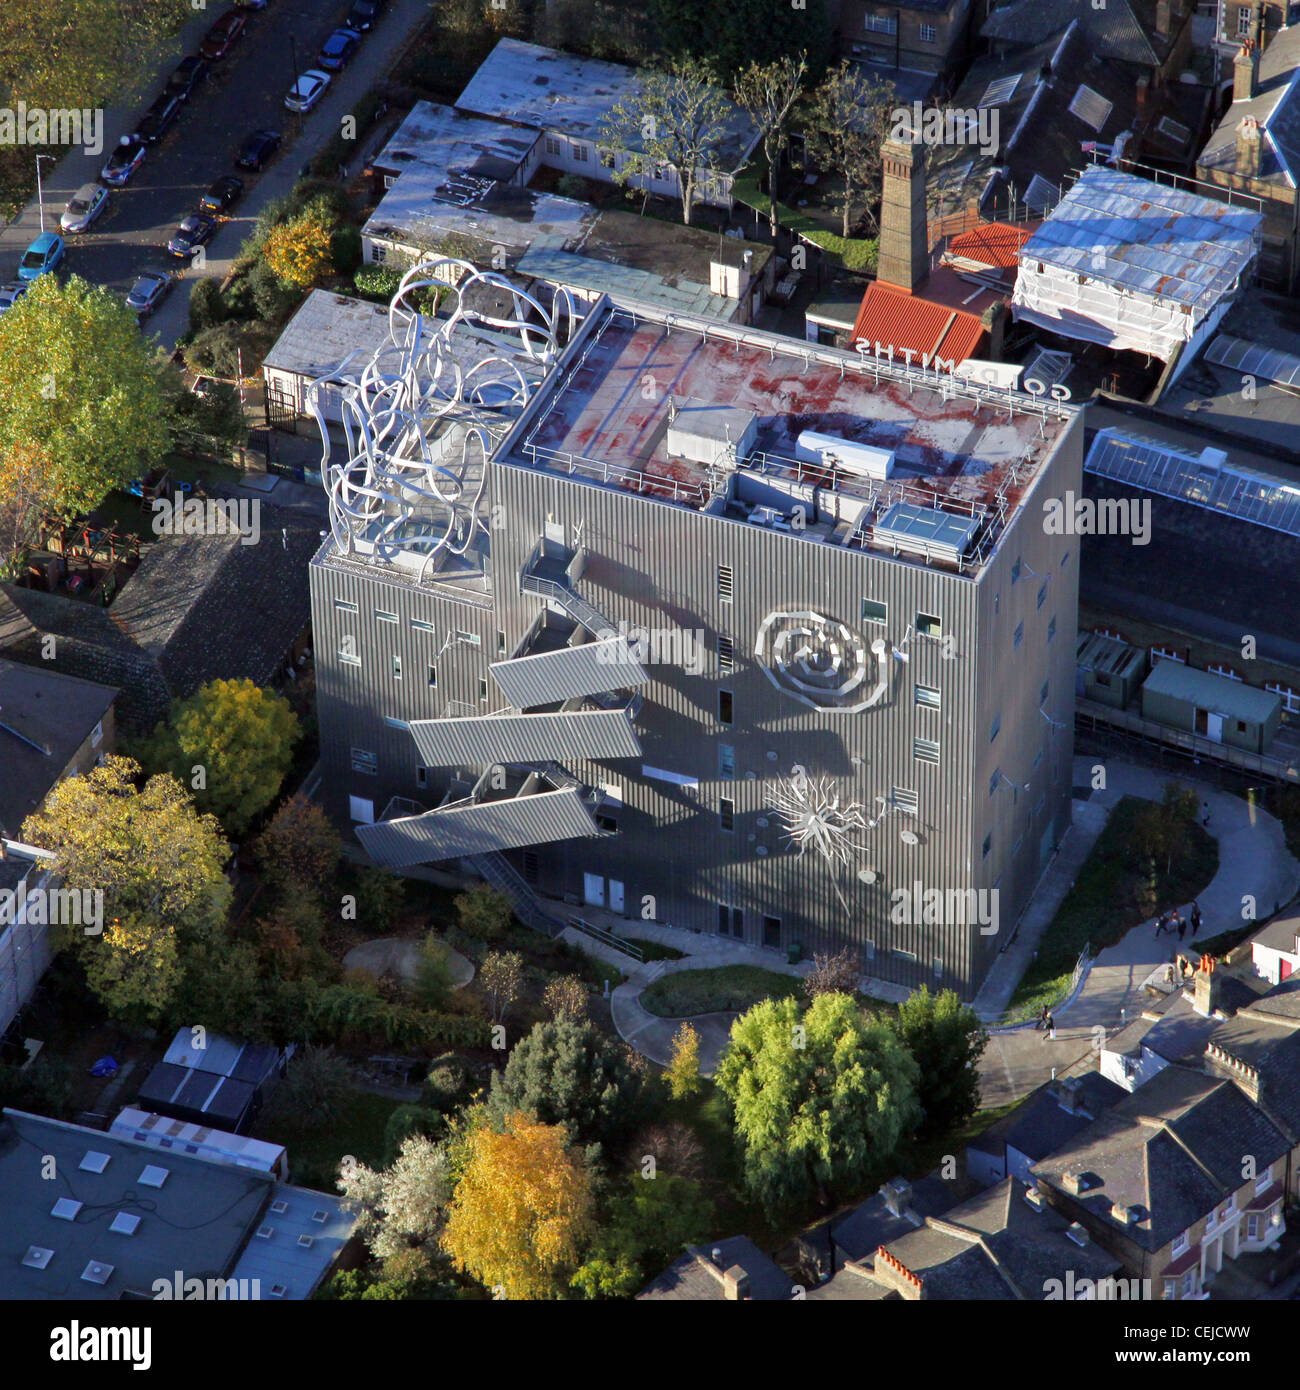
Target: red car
pixel 222 34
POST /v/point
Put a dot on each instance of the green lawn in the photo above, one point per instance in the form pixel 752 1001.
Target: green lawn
pixel 654 950
pixel 1102 906
pixel 816 224
pixel 730 987
pixel 315 1150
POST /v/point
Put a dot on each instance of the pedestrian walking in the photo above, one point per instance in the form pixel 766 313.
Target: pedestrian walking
pixel 1049 1023
pixel 1182 925
pixel 1162 924
pixel 1196 918
pixel 1041 1021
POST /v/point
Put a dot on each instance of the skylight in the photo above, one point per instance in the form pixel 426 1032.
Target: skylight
pixel 65 1209
pixel 124 1224
pixel 153 1176
pixel 37 1257
pixel 1000 89
pixel 94 1162
pixel 97 1273
pixel 1091 107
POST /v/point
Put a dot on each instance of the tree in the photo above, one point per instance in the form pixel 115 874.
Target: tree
pixel 566 998
pixel 647 1224
pixel 80 393
pixel 315 1090
pixel 484 912
pixel 299 850
pixel 677 116
pixel 523 1209
pixel 403 1207
pixel 213 422
pixel 82 53
pixel 569 1074
pixel 946 1040
pixel 229 348
pixel 833 974
pixel 501 978
pixel 158 863
pixel 298 251
pixel 767 92
pixel 207 307
pixel 821 1101
pixel 731 33
pixel 376 897
pixel 232 743
pixel 433 974
pixel 849 122
pixel 24 496
pixel 683 1074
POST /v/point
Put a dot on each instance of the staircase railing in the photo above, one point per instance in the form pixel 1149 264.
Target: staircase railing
pixel 608 937
pixel 497 870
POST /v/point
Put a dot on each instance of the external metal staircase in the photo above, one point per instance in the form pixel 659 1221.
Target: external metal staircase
pixel 496 869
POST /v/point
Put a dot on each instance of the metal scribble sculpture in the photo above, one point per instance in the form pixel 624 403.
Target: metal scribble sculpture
pixel 420 423
pixel 814 818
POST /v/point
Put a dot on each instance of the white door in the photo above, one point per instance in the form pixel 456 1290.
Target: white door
pixel 1214 727
pixel 616 895
pixel 593 890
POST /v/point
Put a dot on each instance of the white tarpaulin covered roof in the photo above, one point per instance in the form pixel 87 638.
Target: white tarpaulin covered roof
pixel 1133 264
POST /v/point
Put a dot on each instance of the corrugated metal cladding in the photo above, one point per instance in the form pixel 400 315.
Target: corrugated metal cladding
pixel 548 677
pixel 655 566
pixel 477 829
pixel 525 738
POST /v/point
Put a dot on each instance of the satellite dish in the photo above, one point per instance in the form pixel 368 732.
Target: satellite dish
pixel 909 837
pixel 771 755
pixel 868 875
pixel 761 822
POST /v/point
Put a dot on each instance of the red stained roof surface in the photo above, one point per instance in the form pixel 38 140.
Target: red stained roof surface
pixel 994 244
pixel 897 319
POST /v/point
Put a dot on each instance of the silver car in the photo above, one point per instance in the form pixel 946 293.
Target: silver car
pixel 83 207
pixel 148 292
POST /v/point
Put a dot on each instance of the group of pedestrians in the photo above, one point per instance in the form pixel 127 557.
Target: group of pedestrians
pixel 1173 920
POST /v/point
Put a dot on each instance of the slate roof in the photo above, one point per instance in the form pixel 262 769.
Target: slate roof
pixel 1122 29
pixel 1266 1038
pixel 1276 106
pixel 1172 1150
pixel 696 1276
pixel 862 1231
pixel 1041 1124
pixel 198 608
pixel 1279 932
pixel 49 708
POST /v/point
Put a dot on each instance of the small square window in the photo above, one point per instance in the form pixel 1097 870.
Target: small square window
pixel 928 625
pixel 925 750
pixel 501 643
pixel 433 676
pixel 365 762
pixel 397 668
pixel 725 708
pixel 726 653
pixel 726 762
pixel 97 735
pixel 1019 635
pixel 906 800
pixel 482 690
pixel 873 611
pixel 928 33
pixel 726 813
pixel 385 617
pixel 124 1223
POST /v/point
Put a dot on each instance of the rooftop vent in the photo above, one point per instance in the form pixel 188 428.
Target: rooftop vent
pixel 306 1241
pixel 1077 1234
pixel 1125 1215
pixel 279 1208
pixel 1076 1182
pixel 65 1209
pixel 97 1273
pixel 37 1257
pixel 320 1215
pixel 735 1284
pixel 94 1162
pixel 862 460
pixel 278 1291
pixel 265 1232
pixel 153 1175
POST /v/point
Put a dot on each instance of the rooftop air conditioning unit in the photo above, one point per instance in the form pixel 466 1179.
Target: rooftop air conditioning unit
pixel 847 455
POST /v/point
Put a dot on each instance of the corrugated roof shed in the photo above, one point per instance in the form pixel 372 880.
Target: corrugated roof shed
pixel 995 244
pixel 892 316
pixel 1218 693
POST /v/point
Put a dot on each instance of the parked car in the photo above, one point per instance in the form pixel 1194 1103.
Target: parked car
pixel 157 120
pixel 337 50
pixel 190 235
pixel 364 13
pixel 83 207
pixel 189 73
pixel 222 36
pixel 11 293
pixel 223 194
pixel 148 292
pixel 307 90
pixel 257 149
pixel 41 257
pixel 124 161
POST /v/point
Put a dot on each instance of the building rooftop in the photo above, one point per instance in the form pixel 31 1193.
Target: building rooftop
pixel 551 90
pixel 45 716
pixel 948 453
pixel 1280 932
pixel 1276 106
pixel 1051 1115
pixel 459 144
pixel 699 1274
pixel 325 331
pixel 895 318
pixel 1121 29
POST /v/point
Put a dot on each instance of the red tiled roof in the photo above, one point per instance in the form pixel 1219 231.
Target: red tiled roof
pixel 994 244
pixel 893 317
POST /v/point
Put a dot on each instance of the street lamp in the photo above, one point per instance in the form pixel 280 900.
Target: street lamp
pixel 40 191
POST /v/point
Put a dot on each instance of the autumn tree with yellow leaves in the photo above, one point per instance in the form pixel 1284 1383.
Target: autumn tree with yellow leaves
pixel 523 1212
pixel 298 251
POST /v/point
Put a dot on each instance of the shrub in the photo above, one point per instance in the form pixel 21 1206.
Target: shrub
pixel 315 1089
pixel 272 299
pixel 484 913
pixel 432 985
pixel 217 351
pixel 407 1120
pixel 345 249
pixel 377 282
pixel 207 308
pixel 571 186
pixel 379 896
pixel 446 1087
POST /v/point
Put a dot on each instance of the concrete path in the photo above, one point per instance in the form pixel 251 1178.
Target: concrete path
pixel 401 957
pixel 1256 871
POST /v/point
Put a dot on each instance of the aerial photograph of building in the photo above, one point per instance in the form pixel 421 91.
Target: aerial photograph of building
pixel 649 653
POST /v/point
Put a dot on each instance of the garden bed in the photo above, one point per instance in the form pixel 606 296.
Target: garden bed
pixel 727 988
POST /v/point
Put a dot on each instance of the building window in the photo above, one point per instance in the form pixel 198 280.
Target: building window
pixel 471 639
pixel 724 707
pixel 378 253
pixel 361 808
pixel 928 33
pixel 365 762
pixel 552 145
pixel 97 735
pixel 1051 629
pixel 726 762
pixel 1019 635
pixel 874 611
pixel 1171 1290
pixel 1252 1226
pixel 607 160
pixel 1042 595
pixel 927 696
pixel 1243 21
pixel 906 800
pixel 995 728
pixel 397 668
pixel 344 606
pixel 1263 1181
pixel 731 921
pixel 389 181
pixel 727 813
pixel 349 657
pixel 385 617
pixel 928 625
pixel 581 153
pixel 724 583
pixel 421 626
pixel 1015 572
pixel 422 777
pixel 881 24
pixel 988 845
pixel 501 643
pixel 772 933
pixel 482 690
pixel 433 677
pixel 726 653
pixel 1189 1283
pixel 925 750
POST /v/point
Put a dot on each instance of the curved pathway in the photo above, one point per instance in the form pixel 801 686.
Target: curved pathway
pixel 1254 866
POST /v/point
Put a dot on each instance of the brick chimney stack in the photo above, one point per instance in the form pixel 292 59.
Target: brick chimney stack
pixel 1245 71
pixel 1209 980
pixel 904 240
pixel 1249 144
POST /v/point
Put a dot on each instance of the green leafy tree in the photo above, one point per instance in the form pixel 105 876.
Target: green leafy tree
pixel 207 307
pixel 768 93
pixel 648 1223
pixel 299 850
pixel 569 1074
pixel 849 118
pixel 821 1099
pixel 731 33
pixel 315 1090
pixel 484 912
pixel 501 978
pixel 158 863
pixel 373 897
pixel 213 422
pixel 232 743
pixel 683 1074
pixel 81 395
pixel 946 1040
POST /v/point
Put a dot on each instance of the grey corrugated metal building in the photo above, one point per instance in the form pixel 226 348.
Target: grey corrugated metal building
pixel 830 713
